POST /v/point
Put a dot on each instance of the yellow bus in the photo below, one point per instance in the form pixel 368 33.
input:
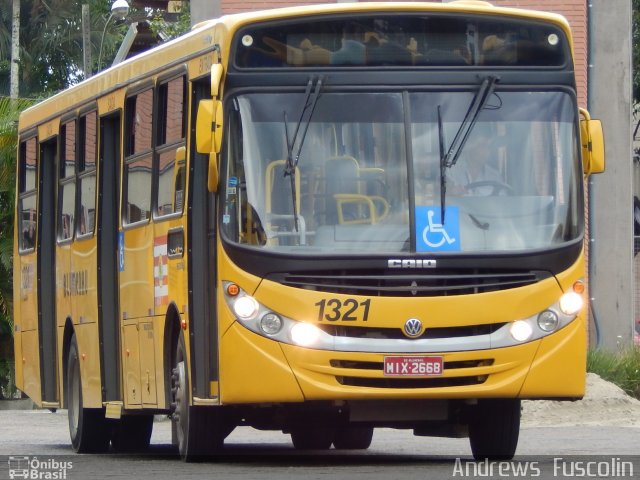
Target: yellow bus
pixel 319 220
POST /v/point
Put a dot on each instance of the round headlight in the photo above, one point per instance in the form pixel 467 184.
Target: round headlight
pixel 245 307
pixel 271 323
pixel 548 321
pixel 305 334
pixel 521 331
pixel 571 303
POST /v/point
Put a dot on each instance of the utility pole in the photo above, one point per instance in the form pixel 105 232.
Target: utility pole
pixel 15 50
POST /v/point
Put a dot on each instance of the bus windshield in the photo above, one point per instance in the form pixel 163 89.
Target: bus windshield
pixel 369 175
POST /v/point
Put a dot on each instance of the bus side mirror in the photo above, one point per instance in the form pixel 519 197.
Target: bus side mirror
pixel 592 141
pixel 209 126
pixel 209 136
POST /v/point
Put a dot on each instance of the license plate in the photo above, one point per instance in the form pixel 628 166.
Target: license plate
pixel 413 366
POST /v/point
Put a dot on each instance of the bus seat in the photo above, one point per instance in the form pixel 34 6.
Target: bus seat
pixel 278 201
pixel 345 182
pixel 278 188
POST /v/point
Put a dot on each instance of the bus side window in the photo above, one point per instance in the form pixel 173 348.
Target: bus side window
pixel 27 194
pixel 171 150
pixel 138 157
pixel 86 168
pixel 67 182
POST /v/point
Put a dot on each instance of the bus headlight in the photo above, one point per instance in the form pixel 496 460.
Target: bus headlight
pixel 548 321
pixel 245 307
pixel 539 325
pixel 271 323
pixel 571 303
pixel 521 331
pixel 260 319
pixel 305 334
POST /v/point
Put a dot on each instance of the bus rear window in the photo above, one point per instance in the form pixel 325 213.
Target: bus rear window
pixel 401 40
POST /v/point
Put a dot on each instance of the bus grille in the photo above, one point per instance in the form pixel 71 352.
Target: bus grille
pixel 381 283
pixel 397 333
pixel 435 382
pixel 358 365
pixel 431 382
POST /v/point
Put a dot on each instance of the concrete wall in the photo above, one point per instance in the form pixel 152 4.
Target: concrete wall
pixel 202 10
pixel 612 280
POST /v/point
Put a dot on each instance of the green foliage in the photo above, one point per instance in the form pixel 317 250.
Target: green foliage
pixel 8 388
pixel 621 368
pixel 51 56
pixel 170 30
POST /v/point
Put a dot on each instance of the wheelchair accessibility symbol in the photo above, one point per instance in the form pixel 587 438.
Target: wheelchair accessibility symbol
pixel 432 235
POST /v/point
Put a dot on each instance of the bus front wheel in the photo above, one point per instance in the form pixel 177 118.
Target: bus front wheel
pixel 200 431
pixel 312 438
pixel 88 427
pixel 494 427
pixel 353 438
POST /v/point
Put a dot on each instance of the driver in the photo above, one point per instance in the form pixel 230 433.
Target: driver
pixel 473 173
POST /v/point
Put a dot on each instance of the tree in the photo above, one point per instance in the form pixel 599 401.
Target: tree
pixel 51 43
pixel 170 30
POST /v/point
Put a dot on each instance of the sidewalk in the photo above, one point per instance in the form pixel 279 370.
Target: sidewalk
pixel 18 404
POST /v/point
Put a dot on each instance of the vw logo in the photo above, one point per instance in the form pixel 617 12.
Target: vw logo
pixel 412 328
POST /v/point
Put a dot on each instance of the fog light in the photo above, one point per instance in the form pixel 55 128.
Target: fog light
pixel 245 307
pixel 571 303
pixel 521 331
pixel 305 334
pixel 548 321
pixel 271 323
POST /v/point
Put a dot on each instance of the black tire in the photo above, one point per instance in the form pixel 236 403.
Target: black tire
pixel 88 427
pixel 312 438
pixel 353 438
pixel 132 433
pixel 494 427
pixel 200 431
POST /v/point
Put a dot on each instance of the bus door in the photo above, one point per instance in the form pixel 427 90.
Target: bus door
pixel 108 299
pixel 138 252
pixel 202 268
pixel 46 267
pixel 25 288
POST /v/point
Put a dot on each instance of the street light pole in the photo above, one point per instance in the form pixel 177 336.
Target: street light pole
pixel 86 41
pixel 119 9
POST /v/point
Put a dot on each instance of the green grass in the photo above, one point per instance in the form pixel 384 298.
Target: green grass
pixel 621 368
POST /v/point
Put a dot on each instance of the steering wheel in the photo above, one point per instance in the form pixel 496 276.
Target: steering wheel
pixel 495 184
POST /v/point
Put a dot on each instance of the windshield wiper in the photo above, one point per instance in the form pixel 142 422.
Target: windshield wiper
pixel 443 174
pixel 292 160
pixel 478 103
pixel 449 159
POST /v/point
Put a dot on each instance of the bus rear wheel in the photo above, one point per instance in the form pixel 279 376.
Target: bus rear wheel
pixel 88 427
pixel 494 427
pixel 353 438
pixel 200 431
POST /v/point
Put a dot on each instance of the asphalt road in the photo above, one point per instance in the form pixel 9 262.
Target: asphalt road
pixel 40 439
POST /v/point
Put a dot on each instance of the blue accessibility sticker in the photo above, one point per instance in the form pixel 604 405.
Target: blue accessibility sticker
pixel 432 235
